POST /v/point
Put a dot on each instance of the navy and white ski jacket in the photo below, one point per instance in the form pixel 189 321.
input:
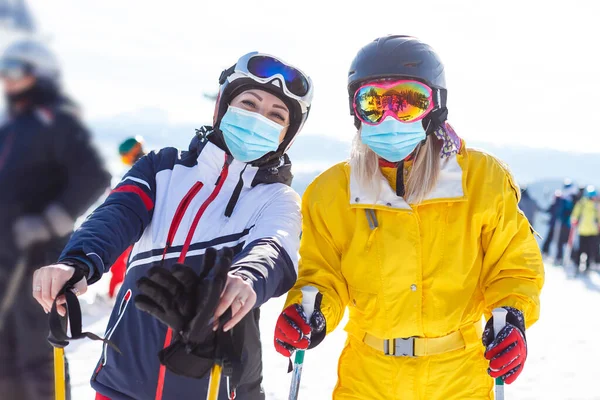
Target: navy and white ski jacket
pixel 174 202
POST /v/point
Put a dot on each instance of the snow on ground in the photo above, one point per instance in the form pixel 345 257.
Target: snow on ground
pixel 563 361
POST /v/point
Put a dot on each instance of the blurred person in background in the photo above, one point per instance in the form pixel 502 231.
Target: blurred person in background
pixel 230 189
pixel 131 150
pixel 553 214
pixel 581 193
pixel 50 174
pixel 565 207
pixel 585 219
pixel 528 205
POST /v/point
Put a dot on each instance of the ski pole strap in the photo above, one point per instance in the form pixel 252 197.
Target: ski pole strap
pixel 58 336
pixel 229 353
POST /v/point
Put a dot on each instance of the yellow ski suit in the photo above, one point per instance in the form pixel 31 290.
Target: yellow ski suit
pixel 428 270
pixel 585 214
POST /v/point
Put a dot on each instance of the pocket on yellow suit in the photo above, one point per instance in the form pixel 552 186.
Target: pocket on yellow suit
pixel 363 374
pixel 459 375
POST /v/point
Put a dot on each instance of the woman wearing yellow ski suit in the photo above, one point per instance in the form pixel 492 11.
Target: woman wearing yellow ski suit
pixel 417 276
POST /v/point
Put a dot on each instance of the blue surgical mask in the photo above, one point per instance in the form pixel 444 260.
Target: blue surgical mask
pixel 249 135
pixel 393 140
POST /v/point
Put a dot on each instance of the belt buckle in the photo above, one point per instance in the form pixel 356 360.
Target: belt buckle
pixel 402 347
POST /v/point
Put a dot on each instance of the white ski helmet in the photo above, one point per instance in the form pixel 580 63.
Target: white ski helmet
pixel 271 74
pixel 35 57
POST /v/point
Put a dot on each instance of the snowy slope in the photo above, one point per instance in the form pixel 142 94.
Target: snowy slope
pixel 562 364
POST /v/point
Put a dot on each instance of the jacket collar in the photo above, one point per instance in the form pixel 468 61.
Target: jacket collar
pixel 211 155
pixel 450 187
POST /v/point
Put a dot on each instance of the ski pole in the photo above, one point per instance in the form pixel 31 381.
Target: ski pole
pixel 215 382
pixel 59 373
pixel 58 337
pixel 309 293
pixel 222 365
pixel 12 289
pixel 499 315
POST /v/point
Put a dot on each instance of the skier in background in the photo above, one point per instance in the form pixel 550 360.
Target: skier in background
pixel 528 205
pixel 131 150
pixel 564 210
pixel 553 213
pixel 585 219
pixel 581 193
pixel 49 176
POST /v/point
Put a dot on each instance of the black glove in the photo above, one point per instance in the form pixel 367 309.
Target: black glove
pixel 507 350
pixel 186 303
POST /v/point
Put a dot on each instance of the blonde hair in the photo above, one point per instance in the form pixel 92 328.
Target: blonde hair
pixel 423 175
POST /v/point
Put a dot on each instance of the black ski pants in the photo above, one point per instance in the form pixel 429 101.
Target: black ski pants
pixel 589 246
pixel 563 238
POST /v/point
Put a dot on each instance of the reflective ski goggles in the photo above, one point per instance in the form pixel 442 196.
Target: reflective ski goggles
pixel 14 69
pixel 405 100
pixel 264 68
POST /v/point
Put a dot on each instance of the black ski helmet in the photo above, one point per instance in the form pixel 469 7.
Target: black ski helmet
pixel 233 82
pixel 400 57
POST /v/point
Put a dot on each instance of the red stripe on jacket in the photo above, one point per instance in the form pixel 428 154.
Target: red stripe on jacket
pixel 134 189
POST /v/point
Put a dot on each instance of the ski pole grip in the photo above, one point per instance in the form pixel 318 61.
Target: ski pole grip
pixel 309 294
pixel 499 315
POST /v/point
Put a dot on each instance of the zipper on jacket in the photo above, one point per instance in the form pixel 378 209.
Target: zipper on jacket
pixel 174 226
pixel 179 213
pixel 201 211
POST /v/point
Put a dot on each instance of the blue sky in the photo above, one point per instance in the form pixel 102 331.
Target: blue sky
pixel 518 72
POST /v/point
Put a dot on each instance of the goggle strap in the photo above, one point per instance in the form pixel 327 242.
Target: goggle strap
pixel 441 96
pixel 435 119
pixel 439 116
pixel 226 73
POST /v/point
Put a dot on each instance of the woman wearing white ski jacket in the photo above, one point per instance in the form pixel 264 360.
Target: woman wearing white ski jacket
pixel 419 237
pixel 230 189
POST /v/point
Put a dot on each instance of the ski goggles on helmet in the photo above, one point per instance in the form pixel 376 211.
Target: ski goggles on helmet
pixel 14 69
pixel 405 100
pixel 264 68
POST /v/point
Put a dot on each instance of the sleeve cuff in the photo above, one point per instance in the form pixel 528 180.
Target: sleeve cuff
pixel 246 276
pixel 84 265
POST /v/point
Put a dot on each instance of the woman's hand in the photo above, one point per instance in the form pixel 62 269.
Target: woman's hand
pixel 49 280
pixel 240 296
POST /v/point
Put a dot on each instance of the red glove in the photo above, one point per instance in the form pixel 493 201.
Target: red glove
pixel 508 351
pixel 291 330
